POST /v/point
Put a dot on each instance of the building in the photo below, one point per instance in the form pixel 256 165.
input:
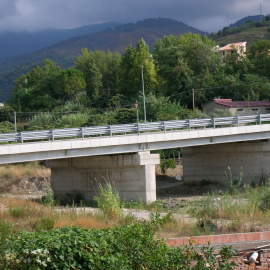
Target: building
pixel 240 48
pixel 228 107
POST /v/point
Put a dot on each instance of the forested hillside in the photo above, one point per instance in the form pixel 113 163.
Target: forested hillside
pixel 102 88
pixel 116 39
pixel 13 44
pixel 244 30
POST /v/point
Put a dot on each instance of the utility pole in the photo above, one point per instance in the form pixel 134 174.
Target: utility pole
pixel 15 122
pixel 144 104
pixel 193 99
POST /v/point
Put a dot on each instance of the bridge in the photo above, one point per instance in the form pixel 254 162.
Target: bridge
pixel 82 158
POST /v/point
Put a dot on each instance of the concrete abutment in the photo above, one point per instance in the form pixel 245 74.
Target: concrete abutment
pixel 222 162
pixel 132 175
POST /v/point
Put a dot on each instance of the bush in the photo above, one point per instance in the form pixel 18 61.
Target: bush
pixel 109 201
pixel 166 164
pixel 44 224
pixel 5 231
pixel 264 202
pixel 6 127
pixel 125 248
pixel 48 199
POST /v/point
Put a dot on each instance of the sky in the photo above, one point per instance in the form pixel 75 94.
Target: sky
pixel 207 15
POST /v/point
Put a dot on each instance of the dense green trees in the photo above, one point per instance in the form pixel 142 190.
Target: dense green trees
pixel 102 87
pixel 134 62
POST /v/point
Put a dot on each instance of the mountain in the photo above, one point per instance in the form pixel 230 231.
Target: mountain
pixel 18 43
pixel 115 39
pixel 248 19
pixel 244 30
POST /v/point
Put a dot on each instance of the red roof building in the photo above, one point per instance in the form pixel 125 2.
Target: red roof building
pixel 220 106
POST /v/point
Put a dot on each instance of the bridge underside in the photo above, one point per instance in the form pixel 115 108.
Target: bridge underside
pixel 247 161
pixel 132 175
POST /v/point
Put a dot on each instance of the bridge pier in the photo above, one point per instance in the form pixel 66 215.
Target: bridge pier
pixel 222 162
pixel 132 175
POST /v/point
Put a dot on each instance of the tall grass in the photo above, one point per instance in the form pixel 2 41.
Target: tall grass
pixel 244 211
pixel 108 200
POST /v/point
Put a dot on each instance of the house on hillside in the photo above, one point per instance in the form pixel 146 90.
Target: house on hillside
pixel 232 108
pixel 240 48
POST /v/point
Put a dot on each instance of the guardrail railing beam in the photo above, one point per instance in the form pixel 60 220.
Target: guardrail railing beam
pixel 136 128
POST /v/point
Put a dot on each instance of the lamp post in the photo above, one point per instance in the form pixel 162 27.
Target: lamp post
pixel 143 92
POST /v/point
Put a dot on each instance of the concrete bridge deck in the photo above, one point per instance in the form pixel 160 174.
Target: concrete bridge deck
pixel 132 143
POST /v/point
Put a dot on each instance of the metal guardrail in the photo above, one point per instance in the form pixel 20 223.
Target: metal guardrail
pixel 138 128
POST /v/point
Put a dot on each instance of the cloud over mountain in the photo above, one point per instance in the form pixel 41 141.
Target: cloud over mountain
pixel 42 14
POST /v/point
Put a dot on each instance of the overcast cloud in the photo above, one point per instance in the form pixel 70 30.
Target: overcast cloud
pixel 208 15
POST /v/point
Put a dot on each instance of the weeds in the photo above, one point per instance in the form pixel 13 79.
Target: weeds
pixel 109 201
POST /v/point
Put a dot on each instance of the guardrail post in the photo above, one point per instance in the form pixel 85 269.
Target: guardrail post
pixel 164 126
pixel 259 119
pixel 138 128
pixel 237 120
pixel 111 133
pixel 21 137
pixel 214 122
pixel 82 132
pixel 189 124
pixel 52 135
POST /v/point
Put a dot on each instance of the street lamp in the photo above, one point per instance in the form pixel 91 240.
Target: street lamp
pixel 143 92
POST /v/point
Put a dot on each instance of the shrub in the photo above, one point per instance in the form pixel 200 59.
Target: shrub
pixel 124 248
pixel 264 202
pixel 166 164
pixel 44 224
pixel 5 231
pixel 48 199
pixel 6 127
pixel 108 201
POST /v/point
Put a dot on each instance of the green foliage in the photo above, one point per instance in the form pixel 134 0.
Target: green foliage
pixel 108 200
pixel 102 87
pixel 6 127
pixel 44 224
pixel 48 199
pixel 166 164
pixel 260 57
pixel 58 120
pixel 5 231
pixel 34 91
pixel 86 63
pixel 133 61
pixel 128 247
pixel 126 116
pixel 69 84
pixel 160 108
pixel 18 212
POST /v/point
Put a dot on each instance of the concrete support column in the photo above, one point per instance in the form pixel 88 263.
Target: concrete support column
pixel 132 175
pixel 222 162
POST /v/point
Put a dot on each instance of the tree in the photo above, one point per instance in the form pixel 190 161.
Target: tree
pixel 69 85
pixel 87 65
pixel 34 91
pixel 133 61
pixel 259 55
pixel 186 62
